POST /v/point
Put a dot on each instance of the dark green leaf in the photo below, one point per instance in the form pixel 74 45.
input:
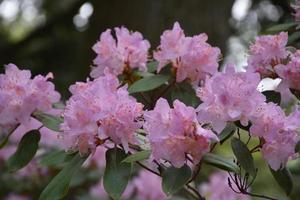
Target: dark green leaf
pixel 243 156
pixel 228 131
pixel 297 148
pixel 148 83
pixel 53 158
pixel 272 96
pixel 59 185
pixel 185 93
pixel 284 179
pixel 26 150
pixel 294 37
pixel 117 173
pixel 141 155
pixel 173 179
pixel 49 121
pixel 220 162
pixel 152 66
pixel 282 27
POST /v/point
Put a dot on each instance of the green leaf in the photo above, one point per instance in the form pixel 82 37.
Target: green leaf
pixel 284 179
pixel 148 83
pixel 141 155
pixel 228 131
pixel 53 158
pixel 152 66
pixel 282 27
pixel 220 162
pixel 49 121
pixel 243 156
pixel 185 93
pixel 26 150
pixel 294 37
pixel 117 173
pixel 272 96
pixel 297 148
pixel 59 185
pixel 173 179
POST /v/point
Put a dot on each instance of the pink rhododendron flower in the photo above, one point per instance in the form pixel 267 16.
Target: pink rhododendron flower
pixel 128 50
pixel 20 96
pixel 278 131
pixel 173 133
pixel 148 186
pixel 290 73
pixel 229 97
pixel 218 189
pixel 192 57
pixel 100 109
pixel 267 52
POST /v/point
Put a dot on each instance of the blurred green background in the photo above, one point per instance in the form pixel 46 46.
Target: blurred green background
pixel 57 36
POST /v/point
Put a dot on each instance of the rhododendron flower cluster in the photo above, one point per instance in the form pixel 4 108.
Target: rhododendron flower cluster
pixel 278 132
pixel 173 133
pixel 229 97
pixel 130 50
pixel 20 96
pixel 192 57
pixel 99 109
pixel 267 52
pixel 108 125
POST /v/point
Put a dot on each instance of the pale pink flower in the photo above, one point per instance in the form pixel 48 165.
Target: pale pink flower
pixel 290 73
pixel 100 109
pixel 148 186
pixel 128 50
pixel 267 52
pixel 218 189
pixel 192 57
pixel 20 95
pixel 228 97
pixel 173 133
pixel 278 133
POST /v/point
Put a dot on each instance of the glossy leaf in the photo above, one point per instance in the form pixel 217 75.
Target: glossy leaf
pixel 141 155
pixel 173 179
pixel 148 83
pixel 152 66
pixel 284 179
pixel 117 173
pixel 243 156
pixel 49 121
pixel 220 162
pixel 26 150
pixel 59 185
pixel 53 158
pixel 227 132
pixel 185 93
